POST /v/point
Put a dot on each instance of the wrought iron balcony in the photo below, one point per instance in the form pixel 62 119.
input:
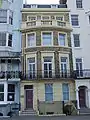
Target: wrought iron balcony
pixel 31 75
pixel 82 73
pixel 10 74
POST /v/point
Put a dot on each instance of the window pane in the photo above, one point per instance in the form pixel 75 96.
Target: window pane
pixel 3 16
pixel 10 96
pixel 49 97
pixel 11 88
pixel 63 59
pixel 45 67
pixel 62 39
pixel 47 38
pixel 74 20
pixel 1 96
pixel 48 92
pixel 31 60
pixel 47 59
pixel 31 39
pixel 2 39
pixel 48 88
pixel 65 89
pixel 89 18
pixel 10 40
pixel 79 3
pixel 76 40
pixel 1 88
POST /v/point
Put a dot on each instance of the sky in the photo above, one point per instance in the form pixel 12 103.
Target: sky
pixel 42 1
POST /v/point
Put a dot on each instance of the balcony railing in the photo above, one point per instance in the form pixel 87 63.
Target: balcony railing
pixel 45 23
pixel 82 73
pixel 10 74
pixel 30 75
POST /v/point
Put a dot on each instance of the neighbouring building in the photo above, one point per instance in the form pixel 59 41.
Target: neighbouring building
pixel 47 80
pixel 80 20
pixel 10 47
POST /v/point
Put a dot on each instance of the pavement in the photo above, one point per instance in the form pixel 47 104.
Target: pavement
pixel 48 118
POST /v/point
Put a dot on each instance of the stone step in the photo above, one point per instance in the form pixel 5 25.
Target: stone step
pixel 28 112
pixel 84 111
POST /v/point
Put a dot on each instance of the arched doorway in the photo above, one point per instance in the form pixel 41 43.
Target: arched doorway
pixel 82 96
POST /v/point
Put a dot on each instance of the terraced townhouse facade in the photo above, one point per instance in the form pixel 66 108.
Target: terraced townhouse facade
pixel 10 47
pixel 47 66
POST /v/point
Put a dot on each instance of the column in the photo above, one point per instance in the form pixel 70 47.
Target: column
pixel 5 91
pixel 77 98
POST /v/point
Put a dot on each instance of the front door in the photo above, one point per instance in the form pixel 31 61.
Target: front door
pixel 82 101
pixel 29 99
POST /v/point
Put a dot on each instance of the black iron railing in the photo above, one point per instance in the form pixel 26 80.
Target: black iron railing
pixel 82 73
pixel 10 74
pixel 47 74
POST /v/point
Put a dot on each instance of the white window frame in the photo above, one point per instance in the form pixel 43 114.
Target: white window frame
pixel 77 40
pixel 27 39
pixel 66 41
pixel 79 64
pixel 12 93
pixel 51 37
pixel 48 54
pixel 5 17
pixel 74 20
pixel 33 63
pixel 48 63
pixel 31 55
pixel 80 5
pixel 67 56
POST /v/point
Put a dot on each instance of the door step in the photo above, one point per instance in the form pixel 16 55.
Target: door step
pixel 84 111
pixel 28 112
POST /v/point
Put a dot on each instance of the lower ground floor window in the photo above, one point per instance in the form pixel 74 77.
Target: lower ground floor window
pixel 11 92
pixel 65 89
pixel 49 92
pixel 1 92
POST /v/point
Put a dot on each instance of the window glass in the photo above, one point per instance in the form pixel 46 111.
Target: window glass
pixel 31 39
pixel 74 20
pixel 76 40
pixel 11 92
pixel 1 92
pixel 3 16
pixel 2 39
pixel 79 3
pixel 47 38
pixel 65 88
pixel 61 39
pixel 49 92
